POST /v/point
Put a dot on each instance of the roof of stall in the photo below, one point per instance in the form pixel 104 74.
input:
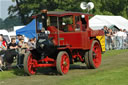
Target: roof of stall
pixel 62 13
pixel 99 21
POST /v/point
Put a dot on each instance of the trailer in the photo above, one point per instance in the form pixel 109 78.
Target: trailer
pixel 64 38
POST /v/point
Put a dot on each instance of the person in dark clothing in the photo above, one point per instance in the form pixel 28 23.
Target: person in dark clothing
pixel 11 52
pixel 13 44
pixel 110 39
pixel 106 32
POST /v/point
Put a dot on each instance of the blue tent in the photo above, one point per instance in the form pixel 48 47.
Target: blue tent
pixel 29 30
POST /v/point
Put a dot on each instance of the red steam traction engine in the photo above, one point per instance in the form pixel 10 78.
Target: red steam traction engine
pixel 65 38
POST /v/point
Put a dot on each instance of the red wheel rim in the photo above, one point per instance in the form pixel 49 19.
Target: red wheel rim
pixel 31 64
pixel 96 54
pixel 65 63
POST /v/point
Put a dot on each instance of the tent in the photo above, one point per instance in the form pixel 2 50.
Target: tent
pixel 98 21
pixel 12 33
pixel 18 27
pixel 29 30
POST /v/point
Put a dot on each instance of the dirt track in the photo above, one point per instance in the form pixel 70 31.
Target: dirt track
pixel 47 77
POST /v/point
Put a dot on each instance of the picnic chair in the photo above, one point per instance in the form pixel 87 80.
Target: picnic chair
pixel 20 57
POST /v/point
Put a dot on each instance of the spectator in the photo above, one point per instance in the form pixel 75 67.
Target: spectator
pixel 18 38
pixel 31 44
pixel 124 39
pixel 25 38
pixel 13 44
pixel 106 36
pixel 4 40
pixel 119 39
pixel 11 53
pixel 109 35
pixel 114 40
pixel 3 47
pixel 23 46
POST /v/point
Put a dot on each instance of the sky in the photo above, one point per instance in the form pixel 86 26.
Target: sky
pixel 4 4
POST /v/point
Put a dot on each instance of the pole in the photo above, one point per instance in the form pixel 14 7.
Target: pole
pixel 58 31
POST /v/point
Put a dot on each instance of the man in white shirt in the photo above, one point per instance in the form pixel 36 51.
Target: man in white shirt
pixel 125 39
pixel 120 37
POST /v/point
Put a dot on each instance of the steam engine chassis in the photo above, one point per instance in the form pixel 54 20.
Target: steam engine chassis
pixel 65 38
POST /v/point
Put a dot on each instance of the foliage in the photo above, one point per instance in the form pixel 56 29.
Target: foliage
pixel 27 8
pixel 9 22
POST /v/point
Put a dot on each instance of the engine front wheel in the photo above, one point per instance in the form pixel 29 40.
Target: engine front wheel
pixel 29 64
pixel 62 62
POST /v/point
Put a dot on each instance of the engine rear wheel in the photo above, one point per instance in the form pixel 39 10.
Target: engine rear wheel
pixel 94 57
pixel 29 64
pixel 62 62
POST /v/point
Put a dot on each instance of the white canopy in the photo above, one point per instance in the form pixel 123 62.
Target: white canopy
pixel 4 32
pixel 99 21
pixel 17 27
pixel 12 33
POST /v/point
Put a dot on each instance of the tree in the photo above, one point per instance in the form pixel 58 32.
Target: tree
pixel 26 8
pixel 9 22
pixel 1 23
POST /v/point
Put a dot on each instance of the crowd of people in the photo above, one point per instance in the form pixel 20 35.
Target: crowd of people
pixel 16 49
pixel 115 39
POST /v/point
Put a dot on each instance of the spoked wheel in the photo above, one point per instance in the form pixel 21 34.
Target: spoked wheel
pixel 94 55
pixel 29 64
pixel 62 62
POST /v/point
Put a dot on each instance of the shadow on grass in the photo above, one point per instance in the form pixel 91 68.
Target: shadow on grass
pixel 47 70
pixel 53 71
pixel 18 72
pixel 78 66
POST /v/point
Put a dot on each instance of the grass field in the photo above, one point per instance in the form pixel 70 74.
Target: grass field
pixel 113 71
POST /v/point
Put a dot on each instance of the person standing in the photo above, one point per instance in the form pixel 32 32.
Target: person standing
pixel 106 32
pixel 119 35
pixel 110 39
pixel 124 39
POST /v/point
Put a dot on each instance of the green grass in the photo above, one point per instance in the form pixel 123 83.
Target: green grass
pixel 109 77
pixel 114 76
pixel 113 52
pixel 11 74
pixel 6 74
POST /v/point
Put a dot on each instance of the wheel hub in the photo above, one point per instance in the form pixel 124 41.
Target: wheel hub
pixel 65 63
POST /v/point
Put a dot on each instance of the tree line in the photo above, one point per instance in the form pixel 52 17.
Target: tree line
pixel 9 22
pixel 26 8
